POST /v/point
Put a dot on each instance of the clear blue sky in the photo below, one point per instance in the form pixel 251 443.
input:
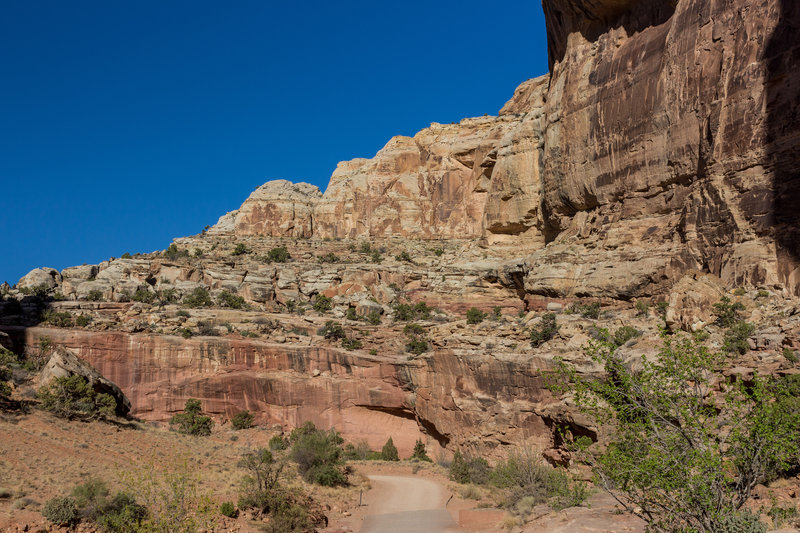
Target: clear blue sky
pixel 126 124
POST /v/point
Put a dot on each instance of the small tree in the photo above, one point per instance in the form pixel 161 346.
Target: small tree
pixel 322 303
pixel 278 255
pixel 420 452
pixel 192 421
pixel 199 297
pixel 242 420
pixel 475 315
pixel 546 330
pixel 389 451
pixel 73 397
pixel 686 457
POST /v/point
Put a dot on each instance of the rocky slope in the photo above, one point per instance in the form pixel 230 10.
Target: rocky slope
pixel 659 158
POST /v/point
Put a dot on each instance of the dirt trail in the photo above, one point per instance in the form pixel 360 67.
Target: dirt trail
pixel 400 504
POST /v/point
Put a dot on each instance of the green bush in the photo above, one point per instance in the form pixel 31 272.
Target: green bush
pixel 73 397
pixel 330 257
pixel 167 296
pixel 475 315
pixel 199 297
pixel 242 420
pixel 417 311
pixel 229 299
pixel 360 452
pixel 350 314
pixel 420 453
pixel 192 421
pixel 590 310
pixel 735 338
pixel 469 470
pixel 318 455
pixel 58 319
pixel 642 308
pixel 228 509
pixel 790 355
pixel 83 320
pixel 173 253
pixel 207 328
pixel 365 247
pixel 665 456
pixel 122 515
pixel 389 451
pixel 61 511
pixel 278 255
pixel 186 333
pixel 413 329
pixel 740 522
pixel 417 345
pixel 351 344
pixel 403 256
pixel 143 295
pixel 241 249
pixel 376 257
pixel 547 329
pixel 322 303
pixel 278 443
pixel 374 318
pixel 624 334
pixel 727 312
pixel 331 330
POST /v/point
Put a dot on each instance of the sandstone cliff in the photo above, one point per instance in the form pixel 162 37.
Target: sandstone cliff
pixel 663 141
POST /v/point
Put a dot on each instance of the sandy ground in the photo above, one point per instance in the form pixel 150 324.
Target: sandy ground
pixel 399 504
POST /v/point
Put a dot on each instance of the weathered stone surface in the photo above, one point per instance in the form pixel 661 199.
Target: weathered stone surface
pixel 277 208
pixel 40 277
pixel 691 302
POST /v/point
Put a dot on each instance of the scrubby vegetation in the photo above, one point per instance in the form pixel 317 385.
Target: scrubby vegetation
pixel 322 303
pixel 192 421
pixel 319 455
pixel 199 297
pixel 173 253
pixel 417 311
pixel 546 330
pixel 278 255
pixel 475 316
pixel 234 301
pixel 389 451
pixel 242 420
pixel 688 448
pixel 73 397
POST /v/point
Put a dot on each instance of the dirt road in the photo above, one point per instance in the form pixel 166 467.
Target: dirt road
pixel 399 504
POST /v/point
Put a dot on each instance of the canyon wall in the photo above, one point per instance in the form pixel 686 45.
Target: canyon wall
pixel 664 140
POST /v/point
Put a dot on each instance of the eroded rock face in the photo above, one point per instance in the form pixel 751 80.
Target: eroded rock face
pixel 676 113
pixel 277 208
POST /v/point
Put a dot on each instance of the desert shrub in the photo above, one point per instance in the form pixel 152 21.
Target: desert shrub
pixel 469 470
pixel 790 355
pixel 373 318
pixel 83 320
pixel 727 312
pixel 735 338
pixel 5 390
pixel 762 293
pixel 360 452
pixel 739 291
pixel 240 249
pixel 278 443
pixel 206 328
pixel 590 310
pixel 322 303
pixel 350 314
pixel 173 253
pixel 40 291
pixel 740 522
pixel 497 312
pixel 169 499
pixel 318 455
pixel 228 509
pixel 665 457
pixel 278 255
pixel 351 344
pixel 417 345
pixel 242 420
pixel 167 296
pixel 91 498
pixel 183 313
pixel 192 421
pixel 376 257
pixel 122 515
pixel 528 481
pixel 403 256
pixel 413 329
pixel 475 315
pixel 306 429
pixel 229 299
pixel 417 311
pixel 61 511
pixel 624 334
pixel 546 330
pixel 58 319
pixel 73 397
pixel 330 257
pixel 420 453
pixel 331 330
pixel 143 295
pixel 199 297
pixel 642 308
pixel 389 451
pixel 186 333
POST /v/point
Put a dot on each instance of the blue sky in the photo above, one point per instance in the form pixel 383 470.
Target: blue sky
pixel 126 124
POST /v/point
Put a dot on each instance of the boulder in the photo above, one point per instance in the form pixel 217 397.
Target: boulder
pixel 40 277
pixel 64 363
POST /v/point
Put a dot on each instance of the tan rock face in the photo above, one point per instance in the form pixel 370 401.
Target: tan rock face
pixel 277 208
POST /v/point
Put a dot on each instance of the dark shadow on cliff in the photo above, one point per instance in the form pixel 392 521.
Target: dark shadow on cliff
pixel 593 18
pixel 782 60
